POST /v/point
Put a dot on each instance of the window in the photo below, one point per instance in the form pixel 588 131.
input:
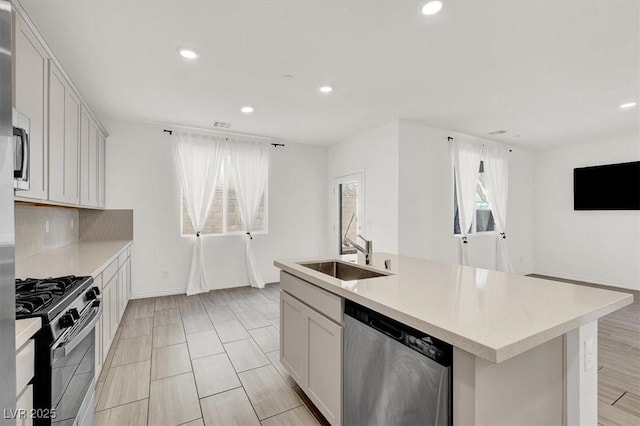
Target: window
pixel 484 217
pixel 350 211
pixel 224 216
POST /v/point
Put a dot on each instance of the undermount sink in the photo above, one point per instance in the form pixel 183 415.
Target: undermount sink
pixel 343 271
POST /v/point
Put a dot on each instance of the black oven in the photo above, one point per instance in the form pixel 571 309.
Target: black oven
pixel 64 380
pixel 71 372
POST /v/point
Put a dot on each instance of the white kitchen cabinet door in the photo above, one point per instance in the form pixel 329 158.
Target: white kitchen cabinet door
pixel 31 78
pixel 293 337
pixel 25 403
pixel 98 348
pixel 102 146
pixel 88 161
pixel 113 315
pixel 324 365
pixel 64 139
pixel 106 319
pixel 123 284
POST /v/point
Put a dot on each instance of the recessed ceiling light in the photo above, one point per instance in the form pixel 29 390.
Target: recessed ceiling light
pixel 247 109
pixel 188 53
pixel 326 89
pixel 431 7
pixel 628 105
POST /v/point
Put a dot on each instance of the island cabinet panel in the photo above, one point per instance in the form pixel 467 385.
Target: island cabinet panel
pixel 292 330
pixel 31 78
pixel 324 365
pixel 311 343
pixel 524 390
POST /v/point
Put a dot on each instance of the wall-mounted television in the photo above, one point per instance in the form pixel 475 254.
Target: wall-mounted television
pixel 607 187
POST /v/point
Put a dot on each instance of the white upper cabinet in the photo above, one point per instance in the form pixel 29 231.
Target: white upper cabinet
pixel 30 89
pixel 64 139
pixel 67 143
pixel 88 161
pixel 102 145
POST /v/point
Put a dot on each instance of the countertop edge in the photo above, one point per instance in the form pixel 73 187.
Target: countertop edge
pixel 25 329
pixel 492 354
pixel 106 263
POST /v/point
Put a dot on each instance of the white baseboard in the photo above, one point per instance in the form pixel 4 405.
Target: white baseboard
pixel 174 291
pixel 589 280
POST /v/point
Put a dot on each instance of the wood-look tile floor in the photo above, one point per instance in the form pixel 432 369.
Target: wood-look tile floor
pixel 618 362
pixel 210 359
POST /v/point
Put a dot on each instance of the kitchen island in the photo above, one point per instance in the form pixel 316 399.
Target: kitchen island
pixel 525 349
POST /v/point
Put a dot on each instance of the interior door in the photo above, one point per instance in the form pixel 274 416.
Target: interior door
pixel 349 210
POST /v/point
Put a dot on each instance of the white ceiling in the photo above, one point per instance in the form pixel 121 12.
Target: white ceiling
pixel 553 72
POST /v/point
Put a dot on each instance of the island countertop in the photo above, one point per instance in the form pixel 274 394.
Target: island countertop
pixel 493 315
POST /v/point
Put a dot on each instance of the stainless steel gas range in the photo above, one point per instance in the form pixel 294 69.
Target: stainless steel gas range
pixel 64 379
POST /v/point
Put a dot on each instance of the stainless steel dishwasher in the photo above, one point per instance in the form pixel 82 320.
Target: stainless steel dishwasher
pixel 393 374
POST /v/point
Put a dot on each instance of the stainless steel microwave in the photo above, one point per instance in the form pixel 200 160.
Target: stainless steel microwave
pixel 21 165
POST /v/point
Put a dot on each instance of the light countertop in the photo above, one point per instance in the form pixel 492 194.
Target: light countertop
pixel 25 329
pixel 493 315
pixel 83 258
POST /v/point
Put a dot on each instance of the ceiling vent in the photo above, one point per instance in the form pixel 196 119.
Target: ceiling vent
pixel 221 124
pixel 498 132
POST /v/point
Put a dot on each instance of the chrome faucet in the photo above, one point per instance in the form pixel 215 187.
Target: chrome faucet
pixel 367 250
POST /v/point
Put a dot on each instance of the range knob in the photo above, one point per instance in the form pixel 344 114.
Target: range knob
pixel 66 321
pixel 96 290
pixel 91 294
pixel 74 314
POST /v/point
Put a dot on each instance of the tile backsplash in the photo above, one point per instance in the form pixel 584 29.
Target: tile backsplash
pixel 40 229
pixel 100 225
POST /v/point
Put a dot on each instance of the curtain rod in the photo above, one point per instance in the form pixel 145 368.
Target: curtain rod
pixel 450 138
pixel 274 144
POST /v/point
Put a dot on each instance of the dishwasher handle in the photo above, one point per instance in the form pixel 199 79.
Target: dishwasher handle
pixel 386 328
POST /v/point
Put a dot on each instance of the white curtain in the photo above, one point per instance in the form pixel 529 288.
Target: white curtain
pixel 466 156
pixel 496 173
pixel 250 163
pixel 199 160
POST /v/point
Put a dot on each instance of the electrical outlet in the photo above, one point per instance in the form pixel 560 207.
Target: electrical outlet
pixel 589 356
pixel 72 224
pixel 46 226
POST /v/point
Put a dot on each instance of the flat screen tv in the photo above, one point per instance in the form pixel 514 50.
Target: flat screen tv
pixel 607 187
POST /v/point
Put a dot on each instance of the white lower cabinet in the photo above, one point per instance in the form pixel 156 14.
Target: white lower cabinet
pixel 324 365
pixel 292 334
pixel 106 320
pixel 24 404
pixel 311 351
pixel 25 369
pixel 116 292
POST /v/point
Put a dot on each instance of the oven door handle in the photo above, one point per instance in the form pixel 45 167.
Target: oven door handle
pixel 66 348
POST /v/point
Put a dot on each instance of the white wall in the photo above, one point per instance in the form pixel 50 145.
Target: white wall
pixel 141 176
pixel 595 246
pixel 376 153
pixel 426 203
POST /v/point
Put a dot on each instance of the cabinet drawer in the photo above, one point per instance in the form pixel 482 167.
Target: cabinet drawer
pixel 324 302
pixel 109 272
pixel 25 402
pixel 25 359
